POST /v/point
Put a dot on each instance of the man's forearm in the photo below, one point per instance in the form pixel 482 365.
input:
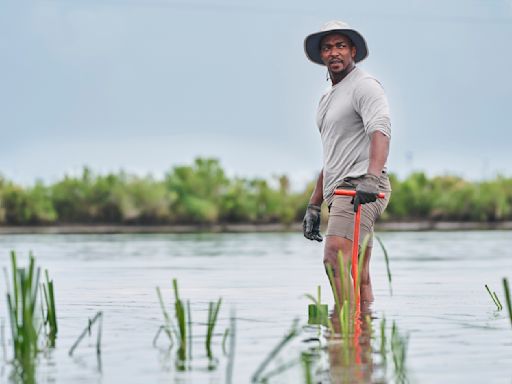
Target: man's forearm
pixel 318 194
pixel 379 149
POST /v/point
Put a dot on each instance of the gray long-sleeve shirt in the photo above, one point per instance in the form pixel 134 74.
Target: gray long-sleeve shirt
pixel 348 114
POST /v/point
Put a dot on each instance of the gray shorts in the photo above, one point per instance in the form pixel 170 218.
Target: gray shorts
pixel 341 212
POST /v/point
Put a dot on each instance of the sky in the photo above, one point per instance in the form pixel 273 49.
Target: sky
pixel 145 85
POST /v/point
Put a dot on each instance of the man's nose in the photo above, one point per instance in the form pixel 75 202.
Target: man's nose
pixel 333 52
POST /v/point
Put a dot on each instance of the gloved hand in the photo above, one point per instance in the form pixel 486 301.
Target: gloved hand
pixel 366 191
pixel 311 223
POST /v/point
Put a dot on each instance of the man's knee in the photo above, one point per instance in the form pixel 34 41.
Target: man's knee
pixel 335 247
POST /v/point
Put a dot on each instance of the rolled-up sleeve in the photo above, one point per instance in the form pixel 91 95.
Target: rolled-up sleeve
pixel 371 104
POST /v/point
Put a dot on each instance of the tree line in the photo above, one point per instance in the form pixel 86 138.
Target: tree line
pixel 202 193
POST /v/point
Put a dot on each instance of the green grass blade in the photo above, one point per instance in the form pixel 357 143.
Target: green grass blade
pixel 498 300
pixel 507 298
pixel 15 286
pixel 333 286
pixel 182 326
pixel 312 298
pixel 87 330
pixel 278 370
pixel 52 306
pixel 383 339
pixel 169 328
pixel 292 333
pixel 492 297
pixel 162 305
pixel 344 279
pixel 213 312
pixel 386 259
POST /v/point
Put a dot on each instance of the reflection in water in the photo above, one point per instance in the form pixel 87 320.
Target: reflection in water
pixel 350 353
pixel 352 357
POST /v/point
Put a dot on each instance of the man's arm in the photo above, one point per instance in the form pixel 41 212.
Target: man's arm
pixel 379 150
pixel 371 103
pixel 317 197
pixel 311 222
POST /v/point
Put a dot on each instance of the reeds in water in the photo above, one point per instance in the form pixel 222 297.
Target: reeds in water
pixel 399 344
pixel 179 309
pixel 386 259
pixel 508 301
pixel 258 376
pixel 179 328
pixel 213 312
pixel 494 298
pixel 50 318
pixel 98 318
pixel 21 303
pixel 344 305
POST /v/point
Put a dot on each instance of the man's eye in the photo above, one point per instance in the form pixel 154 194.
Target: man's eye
pixel 325 48
pixel 340 45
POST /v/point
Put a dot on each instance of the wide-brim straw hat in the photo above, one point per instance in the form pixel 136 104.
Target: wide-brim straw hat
pixel 312 42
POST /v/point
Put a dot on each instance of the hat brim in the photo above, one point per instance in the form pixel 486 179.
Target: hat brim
pixel 312 44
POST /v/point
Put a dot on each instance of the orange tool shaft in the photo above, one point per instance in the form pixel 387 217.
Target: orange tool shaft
pixel 355 242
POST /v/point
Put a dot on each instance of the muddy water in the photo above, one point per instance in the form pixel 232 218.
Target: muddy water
pixel 456 335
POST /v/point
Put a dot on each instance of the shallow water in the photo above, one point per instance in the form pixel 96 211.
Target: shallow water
pixel 439 299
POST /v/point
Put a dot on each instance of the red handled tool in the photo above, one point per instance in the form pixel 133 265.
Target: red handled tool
pixel 355 242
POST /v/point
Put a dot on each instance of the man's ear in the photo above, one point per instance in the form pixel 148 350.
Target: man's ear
pixel 353 51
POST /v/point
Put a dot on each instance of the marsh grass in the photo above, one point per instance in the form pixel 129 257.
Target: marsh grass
pixel 507 298
pixel 345 310
pixel 494 298
pixel 182 326
pixel 398 345
pixel 213 312
pixel 305 359
pixel 178 329
pixel 382 349
pixel 25 325
pixel 386 259
pixel 98 318
pixel 168 328
pixel 258 376
pixel 30 310
pixel 50 318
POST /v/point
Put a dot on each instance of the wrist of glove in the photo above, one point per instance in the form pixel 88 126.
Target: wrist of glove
pixel 366 191
pixel 311 223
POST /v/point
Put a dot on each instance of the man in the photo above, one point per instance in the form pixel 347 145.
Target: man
pixel 354 124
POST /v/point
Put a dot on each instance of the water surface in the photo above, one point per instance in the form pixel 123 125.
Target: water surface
pixel 456 335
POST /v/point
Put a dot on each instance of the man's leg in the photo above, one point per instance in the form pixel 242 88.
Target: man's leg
pixel 334 244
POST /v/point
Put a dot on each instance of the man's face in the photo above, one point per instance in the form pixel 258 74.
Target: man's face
pixel 337 52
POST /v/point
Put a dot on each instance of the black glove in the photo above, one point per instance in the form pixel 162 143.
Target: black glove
pixel 311 223
pixel 366 191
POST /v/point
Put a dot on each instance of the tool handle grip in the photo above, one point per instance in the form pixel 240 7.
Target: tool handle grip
pixel 351 192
